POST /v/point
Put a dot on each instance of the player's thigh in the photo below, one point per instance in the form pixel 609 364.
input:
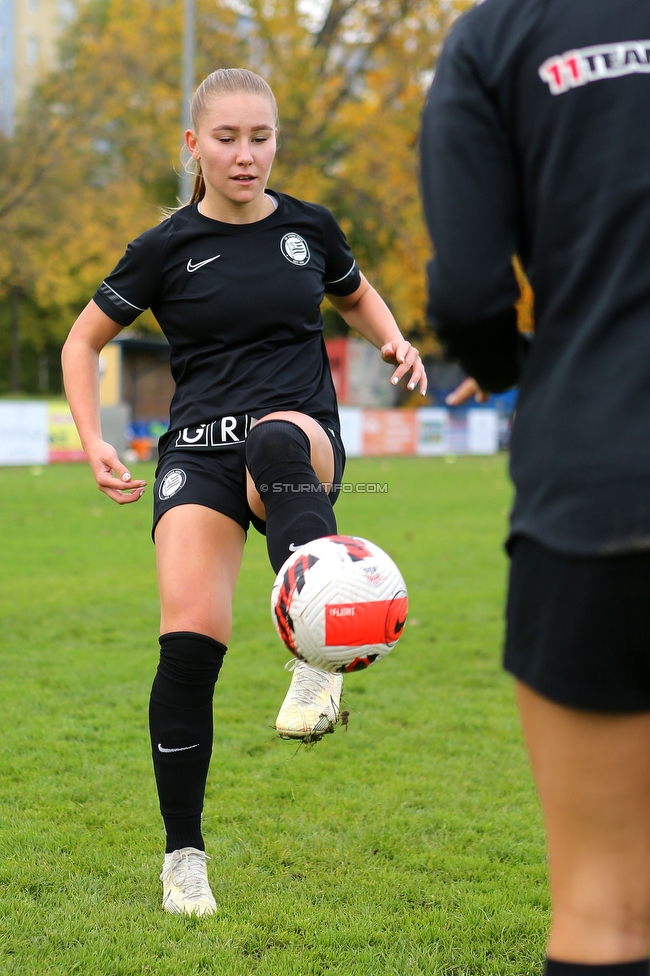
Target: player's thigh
pixel 322 454
pixel 592 772
pixel 198 557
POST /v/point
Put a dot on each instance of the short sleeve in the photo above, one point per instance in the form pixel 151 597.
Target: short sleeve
pixel 134 283
pixel 342 276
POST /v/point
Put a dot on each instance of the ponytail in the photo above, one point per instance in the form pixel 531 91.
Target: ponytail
pixel 199 185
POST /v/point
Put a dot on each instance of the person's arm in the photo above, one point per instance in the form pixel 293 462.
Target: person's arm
pixel 367 313
pixel 471 204
pixel 80 361
pixel 465 390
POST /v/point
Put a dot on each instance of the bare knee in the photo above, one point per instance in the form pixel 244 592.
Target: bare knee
pixel 180 619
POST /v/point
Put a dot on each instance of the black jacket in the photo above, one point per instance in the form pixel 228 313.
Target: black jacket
pixel 536 140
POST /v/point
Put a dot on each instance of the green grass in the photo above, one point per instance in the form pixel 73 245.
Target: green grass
pixel 410 844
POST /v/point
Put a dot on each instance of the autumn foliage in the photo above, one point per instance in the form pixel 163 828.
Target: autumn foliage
pixel 97 151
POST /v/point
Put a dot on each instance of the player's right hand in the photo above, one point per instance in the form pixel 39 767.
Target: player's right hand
pixel 113 477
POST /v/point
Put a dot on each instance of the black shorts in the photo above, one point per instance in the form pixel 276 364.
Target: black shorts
pixel 195 469
pixel 578 628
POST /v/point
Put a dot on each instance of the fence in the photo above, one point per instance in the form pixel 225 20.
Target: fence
pixel 429 431
pixel 42 433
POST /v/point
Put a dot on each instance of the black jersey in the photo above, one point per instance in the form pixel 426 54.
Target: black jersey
pixel 240 307
pixel 536 140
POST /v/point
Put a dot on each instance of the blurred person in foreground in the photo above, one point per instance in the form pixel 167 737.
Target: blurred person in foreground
pixel 536 142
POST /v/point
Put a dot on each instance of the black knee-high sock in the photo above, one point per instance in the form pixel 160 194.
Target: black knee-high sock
pixel 180 722
pixel 298 509
pixel 554 968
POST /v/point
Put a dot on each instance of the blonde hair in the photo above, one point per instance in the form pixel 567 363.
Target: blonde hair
pixel 224 81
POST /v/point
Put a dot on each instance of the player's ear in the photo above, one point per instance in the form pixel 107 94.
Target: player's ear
pixel 192 143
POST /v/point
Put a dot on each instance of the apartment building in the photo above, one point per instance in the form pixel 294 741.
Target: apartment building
pixel 29 31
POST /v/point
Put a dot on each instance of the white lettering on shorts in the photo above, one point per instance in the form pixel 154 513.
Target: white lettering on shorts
pixel 171 483
pixel 228 425
pixel 215 433
pixel 194 436
pixel 597 63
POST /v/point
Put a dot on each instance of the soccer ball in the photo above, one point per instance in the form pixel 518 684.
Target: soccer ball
pixel 339 603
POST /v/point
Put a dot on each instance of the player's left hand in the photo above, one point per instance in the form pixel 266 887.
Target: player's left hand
pixel 408 359
pixel 464 391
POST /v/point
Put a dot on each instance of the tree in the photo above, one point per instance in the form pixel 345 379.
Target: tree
pixel 56 232
pixel 25 196
pixel 97 151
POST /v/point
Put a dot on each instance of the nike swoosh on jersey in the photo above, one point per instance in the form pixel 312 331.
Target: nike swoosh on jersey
pixel 195 267
pixel 293 547
pixel 161 748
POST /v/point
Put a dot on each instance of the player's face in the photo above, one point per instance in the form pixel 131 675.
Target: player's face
pixel 236 144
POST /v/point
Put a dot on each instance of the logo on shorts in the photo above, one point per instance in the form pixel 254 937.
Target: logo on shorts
pixel 216 433
pixel 295 249
pixel 171 483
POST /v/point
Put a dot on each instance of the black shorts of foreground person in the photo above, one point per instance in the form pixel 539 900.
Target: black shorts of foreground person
pixel 578 626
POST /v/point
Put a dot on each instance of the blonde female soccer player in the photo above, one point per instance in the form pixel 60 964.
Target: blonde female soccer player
pixel 235 279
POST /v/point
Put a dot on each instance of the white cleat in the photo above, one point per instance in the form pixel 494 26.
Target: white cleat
pixel 312 705
pixel 186 890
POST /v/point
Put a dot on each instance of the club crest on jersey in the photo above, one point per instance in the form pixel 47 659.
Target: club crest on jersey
pixel 295 249
pixel 171 483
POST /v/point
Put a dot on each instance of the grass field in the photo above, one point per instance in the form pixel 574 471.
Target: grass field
pixel 410 844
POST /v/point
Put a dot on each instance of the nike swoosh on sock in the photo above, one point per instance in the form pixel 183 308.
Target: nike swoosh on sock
pixel 161 748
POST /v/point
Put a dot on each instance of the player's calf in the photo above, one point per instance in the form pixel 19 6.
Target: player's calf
pixel 180 721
